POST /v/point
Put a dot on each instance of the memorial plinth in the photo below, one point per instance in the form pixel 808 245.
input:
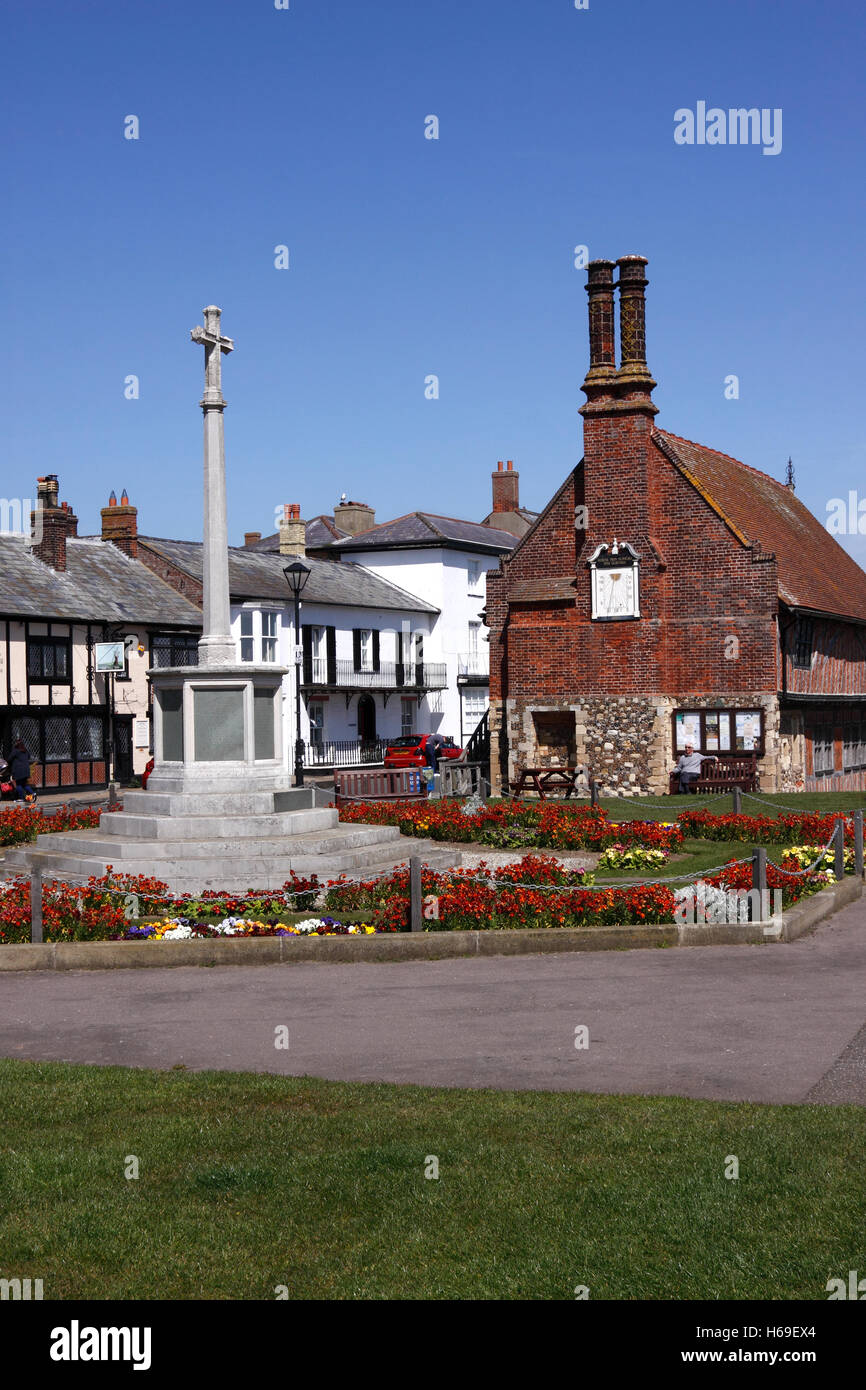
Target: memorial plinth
pixel 218 728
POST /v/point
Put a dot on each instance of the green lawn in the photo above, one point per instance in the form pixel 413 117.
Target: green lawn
pixel 695 856
pixel 669 807
pixel 248 1182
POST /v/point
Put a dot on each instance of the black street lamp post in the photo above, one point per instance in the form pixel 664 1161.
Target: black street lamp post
pixel 297 575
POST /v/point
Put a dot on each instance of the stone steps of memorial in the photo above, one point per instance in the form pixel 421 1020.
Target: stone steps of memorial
pixel 227 804
pixel 93 844
pixel 128 826
pixel 239 873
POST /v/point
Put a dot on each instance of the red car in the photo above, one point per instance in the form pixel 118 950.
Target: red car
pixel 409 751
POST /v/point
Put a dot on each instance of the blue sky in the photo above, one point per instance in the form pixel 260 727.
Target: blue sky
pixel 411 257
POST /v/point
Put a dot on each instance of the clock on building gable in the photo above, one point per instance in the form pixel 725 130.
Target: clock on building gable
pixel 614 571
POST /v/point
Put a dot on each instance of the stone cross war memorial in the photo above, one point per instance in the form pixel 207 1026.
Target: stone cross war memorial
pixel 217 726
pixel 219 810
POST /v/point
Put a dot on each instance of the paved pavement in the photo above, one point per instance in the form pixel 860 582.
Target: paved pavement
pixel 782 1023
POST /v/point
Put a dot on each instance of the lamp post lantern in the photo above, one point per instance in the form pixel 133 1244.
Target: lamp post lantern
pixel 297 575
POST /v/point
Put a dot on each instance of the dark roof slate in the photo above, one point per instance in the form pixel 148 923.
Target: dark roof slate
pixel 100 584
pixel 259 574
pixel 430 529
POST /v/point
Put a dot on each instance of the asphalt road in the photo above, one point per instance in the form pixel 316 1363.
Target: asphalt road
pixel 774 1023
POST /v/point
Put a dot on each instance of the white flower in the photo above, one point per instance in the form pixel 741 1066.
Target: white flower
pixel 230 926
pixel 182 932
pixel 309 924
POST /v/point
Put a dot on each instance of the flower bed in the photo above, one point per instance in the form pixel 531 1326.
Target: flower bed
pixel 804 855
pixel 20 824
pixel 185 929
pixel 632 857
pixel 767 830
pixel 95 911
pixel 537 892
pixel 508 825
pixel 557 825
pixel 108 909
pixel 704 907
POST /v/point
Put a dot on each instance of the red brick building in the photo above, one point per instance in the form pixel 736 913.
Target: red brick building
pixel 669 593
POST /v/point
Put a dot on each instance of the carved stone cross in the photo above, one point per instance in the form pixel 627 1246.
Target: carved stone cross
pixel 211 339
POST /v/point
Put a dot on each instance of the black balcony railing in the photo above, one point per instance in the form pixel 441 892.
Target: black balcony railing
pixel 344 752
pixel 410 675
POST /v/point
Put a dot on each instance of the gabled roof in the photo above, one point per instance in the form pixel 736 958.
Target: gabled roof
pixel 259 575
pixel 814 570
pixel 320 530
pixel 428 529
pixel 100 584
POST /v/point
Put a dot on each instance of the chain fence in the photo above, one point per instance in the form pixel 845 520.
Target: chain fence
pixel 287 897
pixel 491 880
pixel 795 810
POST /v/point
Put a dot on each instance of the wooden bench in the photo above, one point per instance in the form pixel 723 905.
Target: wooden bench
pixel 546 779
pixel 722 774
pixel 400 784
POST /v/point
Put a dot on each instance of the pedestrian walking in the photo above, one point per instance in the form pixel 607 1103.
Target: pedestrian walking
pixel 19 770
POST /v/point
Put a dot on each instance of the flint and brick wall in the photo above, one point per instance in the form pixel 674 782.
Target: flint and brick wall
pixel 703 593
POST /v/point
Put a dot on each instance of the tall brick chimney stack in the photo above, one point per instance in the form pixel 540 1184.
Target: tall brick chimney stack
pixel 601 377
pixel 52 524
pixel 293 531
pixel 120 524
pixel 619 410
pixel 506 488
pixel 633 378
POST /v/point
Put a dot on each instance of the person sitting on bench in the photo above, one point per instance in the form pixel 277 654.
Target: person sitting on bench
pixel 689 767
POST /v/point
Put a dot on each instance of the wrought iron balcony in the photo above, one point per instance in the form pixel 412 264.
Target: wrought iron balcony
pixel 342 675
pixel 473 666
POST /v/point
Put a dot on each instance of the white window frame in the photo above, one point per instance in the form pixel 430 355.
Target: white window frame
pixel 268 619
pixel 248 639
pixel 319 653
pixel 475 706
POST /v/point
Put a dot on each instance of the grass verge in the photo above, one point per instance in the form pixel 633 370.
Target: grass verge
pixel 693 857
pixel 247 1182
pixel 669 807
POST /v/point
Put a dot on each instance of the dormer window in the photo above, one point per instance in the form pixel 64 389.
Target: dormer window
pixel 614 571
